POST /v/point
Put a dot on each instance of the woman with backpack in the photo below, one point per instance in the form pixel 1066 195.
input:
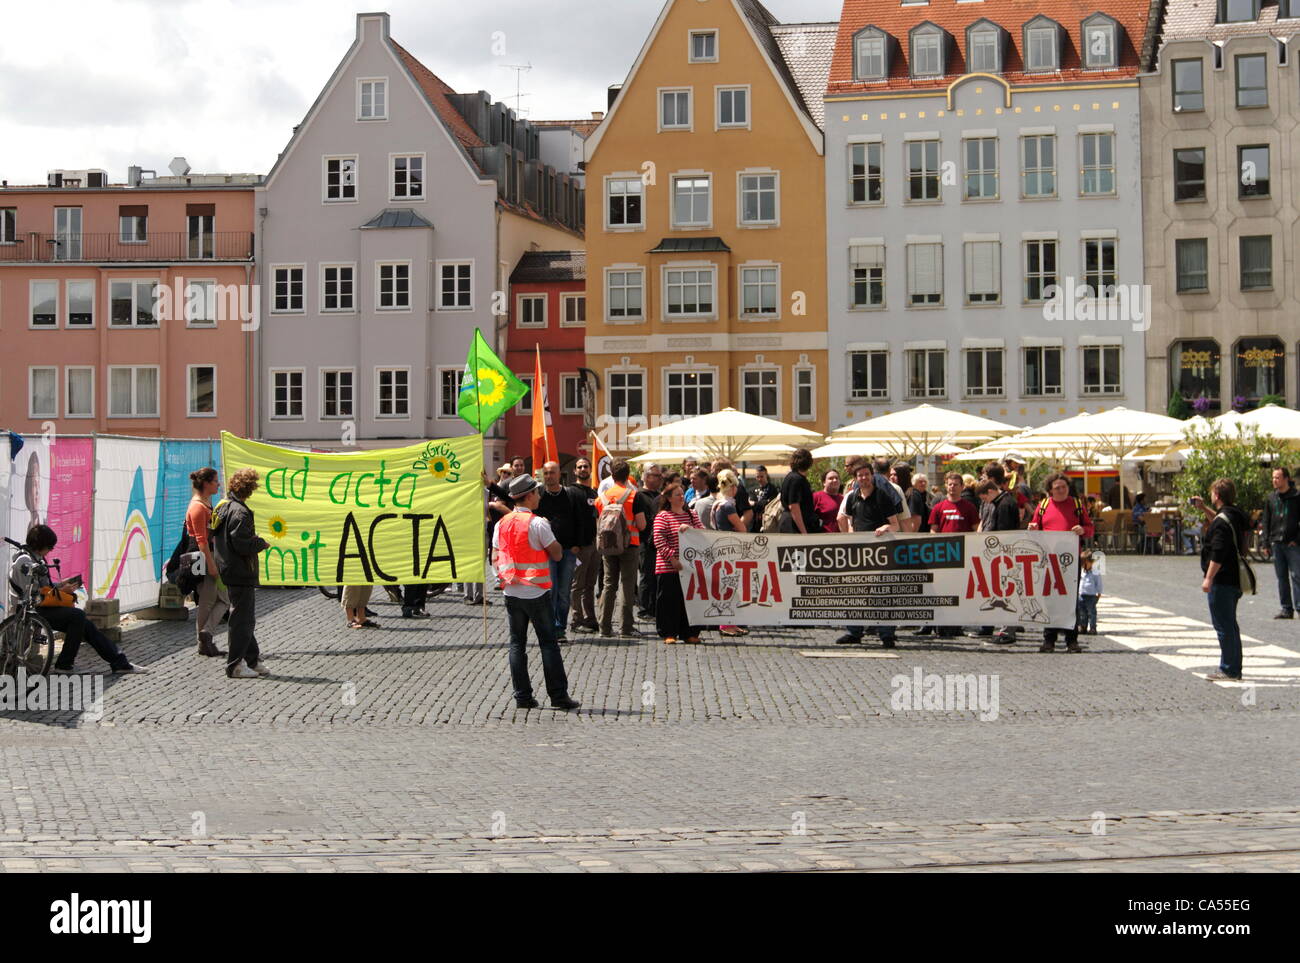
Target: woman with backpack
pixel 214 601
pixel 1061 511
pixel 1227 575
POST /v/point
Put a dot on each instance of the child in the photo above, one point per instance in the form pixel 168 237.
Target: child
pixel 1089 592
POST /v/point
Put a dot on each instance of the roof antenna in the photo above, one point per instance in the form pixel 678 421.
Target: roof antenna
pixel 520 70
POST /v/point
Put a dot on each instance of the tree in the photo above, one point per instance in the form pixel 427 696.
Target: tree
pixel 1244 458
pixel 1178 407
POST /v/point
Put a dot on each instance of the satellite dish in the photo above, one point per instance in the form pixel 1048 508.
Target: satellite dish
pixel 179 166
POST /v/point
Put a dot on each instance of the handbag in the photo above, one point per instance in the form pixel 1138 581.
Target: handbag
pixel 52 597
pixel 1245 574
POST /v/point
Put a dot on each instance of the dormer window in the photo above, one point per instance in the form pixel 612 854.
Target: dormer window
pixel 983 48
pixel 1100 42
pixel 927 51
pixel 1042 45
pixel 871 60
pixel 1238 11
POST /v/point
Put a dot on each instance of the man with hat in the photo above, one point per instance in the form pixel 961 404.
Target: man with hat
pixel 525 546
pixel 1013 464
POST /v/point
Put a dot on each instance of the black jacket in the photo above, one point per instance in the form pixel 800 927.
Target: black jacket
pixel 235 542
pixel 1281 518
pixel 566 511
pixel 1217 545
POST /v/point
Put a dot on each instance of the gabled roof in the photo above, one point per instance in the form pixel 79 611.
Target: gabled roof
pixel 540 267
pixel 897 20
pixel 436 92
pixel 808 49
pixel 1194 20
pixel 396 217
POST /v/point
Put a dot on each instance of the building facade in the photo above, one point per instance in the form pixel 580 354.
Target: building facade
pixel 983 157
pixel 388 230
pixel 1219 109
pixel 127 308
pixel 706 226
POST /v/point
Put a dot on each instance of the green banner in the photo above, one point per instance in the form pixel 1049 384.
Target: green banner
pixel 394 516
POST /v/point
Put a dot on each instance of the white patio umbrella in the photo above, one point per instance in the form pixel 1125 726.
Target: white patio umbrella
pixel 1282 424
pixel 727 433
pixel 925 431
pixel 872 449
pixel 779 454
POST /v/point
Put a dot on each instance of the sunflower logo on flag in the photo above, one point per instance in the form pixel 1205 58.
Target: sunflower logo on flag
pixel 491 386
pixel 278 526
pixel 439 467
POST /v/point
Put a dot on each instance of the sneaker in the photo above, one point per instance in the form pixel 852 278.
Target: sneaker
pixel 242 671
pixel 260 668
pixel 1284 614
pixel 848 638
pixel 1222 677
pixel 130 669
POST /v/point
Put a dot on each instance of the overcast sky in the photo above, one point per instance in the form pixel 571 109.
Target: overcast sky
pixel 223 82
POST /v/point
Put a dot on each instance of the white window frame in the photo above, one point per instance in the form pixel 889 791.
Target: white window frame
pixel 1099 290
pixel 672 202
pixel 325 178
pixel 135 390
pixel 872 392
pixel 1042 275
pixel 379 287
pixel 323 408
pixel 209 303
pixel 1099 135
pixel 136 220
pixel 31 304
pixel 275 281
pixel 361 82
pixel 795 371
pixel 690 46
pixel 740 199
pixel 911 280
pixel 1090 28
pixel 67 303
pixel 609 196
pixel 519 310
pixel 974 38
pixel 458 263
pixel 626 371
pixel 379 370
pixel 690 108
pixel 985 393
pixel 1042 350
pixel 875 76
pixel 980 172
pixel 927 34
pixel 626 270
pixel 867 177
pixel 270 395
pixel 565 381
pixel 135 304
pixel 1102 390
pixel 565 301
pixel 761 368
pixel 925 172
pixel 458 374
pixel 929 392
pixel 668 269
pixel 1040 170
pixel 31 391
pixel 189 392
pixel 759 266
pixel 968 252
pixel 324 287
pixel 67 390
pixel 408 198
pixel 690 368
pixel 1055 41
pixel 718 92
pixel 854 267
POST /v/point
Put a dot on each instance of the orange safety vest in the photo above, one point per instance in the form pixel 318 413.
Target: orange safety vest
pixel 518 563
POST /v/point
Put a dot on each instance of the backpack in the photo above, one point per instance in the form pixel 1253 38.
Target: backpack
pixel 612 534
pixel 179 569
pixel 1042 508
pixel 772 516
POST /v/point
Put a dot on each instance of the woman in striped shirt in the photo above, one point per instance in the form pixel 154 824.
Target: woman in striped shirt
pixel 670 607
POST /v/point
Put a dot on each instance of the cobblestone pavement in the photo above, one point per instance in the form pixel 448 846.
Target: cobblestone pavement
pixel 399 748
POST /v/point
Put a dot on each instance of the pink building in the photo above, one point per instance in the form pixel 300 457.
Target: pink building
pixel 122 308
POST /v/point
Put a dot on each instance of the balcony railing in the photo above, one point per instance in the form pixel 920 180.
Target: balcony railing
pixel 104 248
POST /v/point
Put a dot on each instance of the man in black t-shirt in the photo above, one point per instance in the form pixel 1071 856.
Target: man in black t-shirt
pixel 871 507
pixel 798 512
pixel 565 508
pixel 647 503
pixel 583 597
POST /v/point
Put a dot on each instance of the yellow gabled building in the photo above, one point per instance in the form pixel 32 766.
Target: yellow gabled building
pixel 706 223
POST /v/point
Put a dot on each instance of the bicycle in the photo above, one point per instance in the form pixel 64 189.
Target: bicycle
pixel 26 639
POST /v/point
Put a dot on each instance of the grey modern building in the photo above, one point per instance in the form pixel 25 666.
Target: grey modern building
pixel 387 231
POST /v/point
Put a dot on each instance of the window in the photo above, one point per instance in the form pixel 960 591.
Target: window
pixel 287 293
pixel 1042 368
pixel 984 373
pixel 692 205
pixel 8 225
pixel 675 110
pixel 1189 86
pixel 408 177
pixel 805 394
pixel 1099 43
pixel 1252 163
pixel 42 392
pixel 372 99
pixel 200 304
pixel 982 168
pixel 1194 371
pixel 982 51
pixel 733 107
pixel 624 201
pixel 1257 369
pixel 866 175
pixel 868 375
pixel 760 394
pixel 1101 370
pixel 870 61
pixel 927 53
pixel 758 199
pixel 133 392
pixel 1192 263
pixel 759 292
pixel 132 304
pixel 1042 46
pixel 1097 174
pixel 456 286
pixel 393 389
pixel 525 406
pixel 1099 266
pixel 449 391
pixel 80 402
pixel 338 287
pixel 1038 171
pixel 44 300
pixel 690 393
pixel 925 374
pixel 923 170
pixel 704 46
pixel 573 394
pixel 689 292
pixel 202 393
pixel 983 272
pixel 1257 262
pixel 1237 11
pixel 1189 174
pixel 1040 269
pixel 286 394
pixel 623 297
pixel 573 310
pixel 394 286
pixel 1252 81
pixel 531 311
pixel 925 274
pixel 67 234
pixel 336 393
pixel 133 228
pixel 340 179
pixel 867 276
pixel 200 231
pixel 626 394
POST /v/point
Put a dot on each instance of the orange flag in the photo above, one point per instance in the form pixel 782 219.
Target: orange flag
pixel 601 460
pixel 544 447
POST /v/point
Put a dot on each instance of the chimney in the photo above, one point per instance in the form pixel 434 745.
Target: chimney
pixel 614 90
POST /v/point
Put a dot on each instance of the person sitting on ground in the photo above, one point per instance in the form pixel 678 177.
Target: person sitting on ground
pixel 68 619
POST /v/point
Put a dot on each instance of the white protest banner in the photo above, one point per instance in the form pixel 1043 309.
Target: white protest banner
pixel 993 578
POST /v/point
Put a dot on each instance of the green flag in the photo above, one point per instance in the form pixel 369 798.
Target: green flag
pixel 487 387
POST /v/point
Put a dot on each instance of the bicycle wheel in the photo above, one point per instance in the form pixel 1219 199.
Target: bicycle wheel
pixel 329 592
pixel 26 643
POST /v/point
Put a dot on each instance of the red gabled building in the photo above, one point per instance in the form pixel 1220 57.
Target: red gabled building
pixel 548 310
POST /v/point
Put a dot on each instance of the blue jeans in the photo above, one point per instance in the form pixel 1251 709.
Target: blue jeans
pixel 1286 563
pixel 1223 614
pixel 1086 616
pixel 520 613
pixel 562 589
